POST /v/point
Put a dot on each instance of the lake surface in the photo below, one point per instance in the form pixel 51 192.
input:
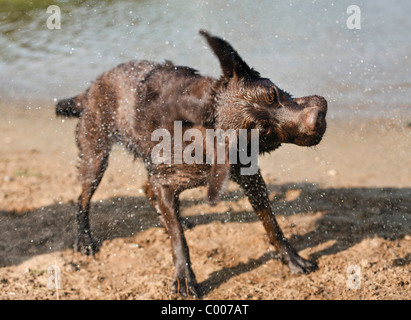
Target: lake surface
pixel 305 47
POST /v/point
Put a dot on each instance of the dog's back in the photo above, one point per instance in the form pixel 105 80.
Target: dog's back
pixel 130 101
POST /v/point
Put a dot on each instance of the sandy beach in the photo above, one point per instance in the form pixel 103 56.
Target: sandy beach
pixel 345 204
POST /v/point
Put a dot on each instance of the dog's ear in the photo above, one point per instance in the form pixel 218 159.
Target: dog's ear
pixel 230 61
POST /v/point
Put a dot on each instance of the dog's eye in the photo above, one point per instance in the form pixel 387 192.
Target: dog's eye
pixel 270 97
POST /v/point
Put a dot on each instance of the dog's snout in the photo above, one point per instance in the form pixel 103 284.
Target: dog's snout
pixel 314 119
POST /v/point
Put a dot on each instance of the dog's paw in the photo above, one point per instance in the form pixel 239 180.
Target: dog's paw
pixel 186 288
pixel 86 245
pixel 297 264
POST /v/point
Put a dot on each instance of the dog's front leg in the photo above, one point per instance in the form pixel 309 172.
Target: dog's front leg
pixel 184 279
pixel 256 191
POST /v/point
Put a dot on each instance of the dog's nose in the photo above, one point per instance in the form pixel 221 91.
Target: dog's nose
pixel 313 119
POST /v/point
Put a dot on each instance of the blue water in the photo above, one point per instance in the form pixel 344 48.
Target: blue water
pixel 303 46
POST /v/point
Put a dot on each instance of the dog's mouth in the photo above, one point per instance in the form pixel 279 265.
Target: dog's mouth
pixel 269 139
pixel 308 141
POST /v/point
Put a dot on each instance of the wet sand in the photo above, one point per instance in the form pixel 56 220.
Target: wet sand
pixel 346 202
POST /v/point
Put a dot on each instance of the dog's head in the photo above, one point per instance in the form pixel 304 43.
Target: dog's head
pixel 245 100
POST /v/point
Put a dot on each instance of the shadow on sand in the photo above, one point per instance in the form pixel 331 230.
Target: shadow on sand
pixel 349 216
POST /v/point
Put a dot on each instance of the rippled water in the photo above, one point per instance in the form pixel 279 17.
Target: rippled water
pixel 303 46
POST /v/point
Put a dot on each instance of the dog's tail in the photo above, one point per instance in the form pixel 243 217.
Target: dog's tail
pixel 69 108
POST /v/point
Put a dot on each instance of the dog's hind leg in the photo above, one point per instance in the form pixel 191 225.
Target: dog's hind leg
pixel 94 153
pixel 167 200
pixel 151 196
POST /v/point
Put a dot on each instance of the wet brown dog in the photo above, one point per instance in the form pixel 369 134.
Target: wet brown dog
pixel 126 104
